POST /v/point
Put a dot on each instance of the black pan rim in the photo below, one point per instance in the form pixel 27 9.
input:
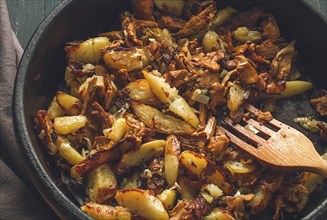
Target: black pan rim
pixel 58 201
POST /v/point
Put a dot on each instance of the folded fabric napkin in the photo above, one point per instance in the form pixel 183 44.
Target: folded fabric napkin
pixel 16 199
pixel 10 54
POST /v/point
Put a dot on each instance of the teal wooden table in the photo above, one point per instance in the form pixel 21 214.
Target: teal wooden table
pixel 26 15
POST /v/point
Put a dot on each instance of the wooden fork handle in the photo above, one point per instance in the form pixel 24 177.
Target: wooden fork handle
pixel 322 168
pixel 316 164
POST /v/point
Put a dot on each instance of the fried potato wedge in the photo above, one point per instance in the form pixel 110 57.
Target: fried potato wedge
pixel 70 104
pixel 55 110
pixel 243 34
pixel 118 130
pixel 218 213
pixel 70 154
pixel 88 51
pixel 162 90
pixel 101 184
pixel 205 170
pixel 139 90
pixel 236 97
pixel 69 124
pixel 221 17
pixel 168 198
pixel 212 189
pixel 172 151
pixel 235 166
pixel 210 41
pixel 106 212
pixel 292 88
pixel 159 121
pixel 180 107
pixel 129 59
pixel 144 153
pixel 142 203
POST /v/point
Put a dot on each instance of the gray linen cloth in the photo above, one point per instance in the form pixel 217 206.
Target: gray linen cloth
pixel 16 199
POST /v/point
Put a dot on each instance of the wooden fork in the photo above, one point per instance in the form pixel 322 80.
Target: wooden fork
pixel 276 144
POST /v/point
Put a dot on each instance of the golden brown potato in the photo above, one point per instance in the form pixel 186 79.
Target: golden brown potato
pixel 70 154
pixel 101 184
pixel 221 17
pixel 235 167
pixel 168 198
pixel 69 124
pixel 139 90
pixel 118 130
pixel 144 153
pixel 70 104
pixel 193 162
pixel 218 214
pixel 180 107
pixel 169 95
pixel 243 34
pixel 88 51
pixel 172 152
pixel 210 41
pixel 162 90
pixel 159 121
pixel 212 190
pixel 292 88
pixel 54 110
pixel 106 212
pixel 311 181
pixel 205 170
pixel 129 59
pixel 236 97
pixel 142 203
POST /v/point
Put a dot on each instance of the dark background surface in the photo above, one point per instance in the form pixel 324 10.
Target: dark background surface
pixel 26 15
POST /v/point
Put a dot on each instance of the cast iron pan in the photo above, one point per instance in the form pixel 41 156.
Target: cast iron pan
pixel 42 68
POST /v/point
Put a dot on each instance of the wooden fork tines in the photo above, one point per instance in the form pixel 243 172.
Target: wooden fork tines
pixel 276 144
